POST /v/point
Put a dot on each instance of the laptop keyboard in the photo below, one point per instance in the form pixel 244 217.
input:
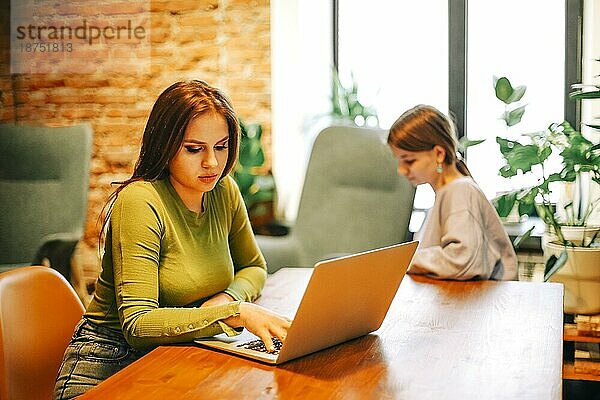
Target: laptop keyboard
pixel 259 345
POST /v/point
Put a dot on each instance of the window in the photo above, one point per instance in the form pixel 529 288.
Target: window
pixel 524 41
pixel 397 52
pixel 398 55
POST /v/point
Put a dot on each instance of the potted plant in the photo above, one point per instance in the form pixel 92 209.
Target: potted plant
pixel 571 246
pixel 256 183
pixel 345 106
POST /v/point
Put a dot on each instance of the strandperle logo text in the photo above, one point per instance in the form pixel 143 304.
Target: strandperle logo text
pixel 84 31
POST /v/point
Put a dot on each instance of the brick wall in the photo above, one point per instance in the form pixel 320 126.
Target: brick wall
pixel 225 42
pixel 6 92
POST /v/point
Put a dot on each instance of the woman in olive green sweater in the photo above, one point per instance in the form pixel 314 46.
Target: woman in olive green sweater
pixel 180 260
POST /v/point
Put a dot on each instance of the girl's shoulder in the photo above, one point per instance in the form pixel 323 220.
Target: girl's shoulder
pixel 464 185
pixel 462 192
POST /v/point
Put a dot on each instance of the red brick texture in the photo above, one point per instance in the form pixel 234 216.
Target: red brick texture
pixel 224 42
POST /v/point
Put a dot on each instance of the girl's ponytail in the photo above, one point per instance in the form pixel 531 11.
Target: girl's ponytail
pixel 462 167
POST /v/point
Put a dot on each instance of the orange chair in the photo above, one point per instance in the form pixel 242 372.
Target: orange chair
pixel 38 313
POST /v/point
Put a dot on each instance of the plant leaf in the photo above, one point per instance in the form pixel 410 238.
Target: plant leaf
pixel 526 200
pixel 504 203
pixel 518 156
pixel 582 95
pixel 254 131
pixel 464 143
pixel 522 237
pixel 553 264
pixel 517 94
pixel 545 211
pixel 513 117
pixel 244 180
pixel 593 239
pixel 544 153
pixel 344 101
pixel 251 152
pixel 526 208
pixel 503 89
pixel 584 86
pixel 554 178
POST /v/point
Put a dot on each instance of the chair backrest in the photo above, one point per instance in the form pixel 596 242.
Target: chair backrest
pixel 44 175
pixel 352 199
pixel 38 313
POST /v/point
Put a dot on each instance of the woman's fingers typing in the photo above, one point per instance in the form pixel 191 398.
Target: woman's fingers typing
pixel 264 323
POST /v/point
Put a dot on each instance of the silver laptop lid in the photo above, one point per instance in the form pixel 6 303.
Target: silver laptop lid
pixel 345 298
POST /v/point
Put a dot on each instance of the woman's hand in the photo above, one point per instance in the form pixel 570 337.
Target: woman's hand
pixel 262 322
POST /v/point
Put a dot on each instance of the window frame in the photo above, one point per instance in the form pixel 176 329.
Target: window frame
pixel 457 59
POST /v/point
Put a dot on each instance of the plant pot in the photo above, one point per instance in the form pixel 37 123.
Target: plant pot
pixel 575 234
pixel 580 276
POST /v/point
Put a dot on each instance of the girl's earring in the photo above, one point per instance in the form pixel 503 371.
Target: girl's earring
pixel 439 168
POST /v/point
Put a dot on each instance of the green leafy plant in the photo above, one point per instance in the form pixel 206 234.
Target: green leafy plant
pixel 517 156
pixel 464 143
pixel 345 104
pixel 255 182
pixel 578 155
pixel 509 96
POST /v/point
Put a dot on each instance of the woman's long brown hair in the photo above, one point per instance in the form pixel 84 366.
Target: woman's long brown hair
pixel 165 130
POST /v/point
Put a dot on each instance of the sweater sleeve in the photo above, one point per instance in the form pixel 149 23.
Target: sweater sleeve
pixel 136 230
pixel 249 263
pixel 460 254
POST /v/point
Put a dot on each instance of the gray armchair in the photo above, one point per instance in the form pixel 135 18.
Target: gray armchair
pixel 44 175
pixel 352 200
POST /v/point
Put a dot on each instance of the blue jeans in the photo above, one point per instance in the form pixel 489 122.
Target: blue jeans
pixel 94 354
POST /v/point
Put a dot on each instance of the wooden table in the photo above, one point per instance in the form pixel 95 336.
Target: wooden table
pixel 440 340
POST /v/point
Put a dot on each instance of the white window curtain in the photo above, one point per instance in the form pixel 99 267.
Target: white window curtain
pixel 301 54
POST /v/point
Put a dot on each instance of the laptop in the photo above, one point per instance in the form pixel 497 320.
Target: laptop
pixel 346 297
